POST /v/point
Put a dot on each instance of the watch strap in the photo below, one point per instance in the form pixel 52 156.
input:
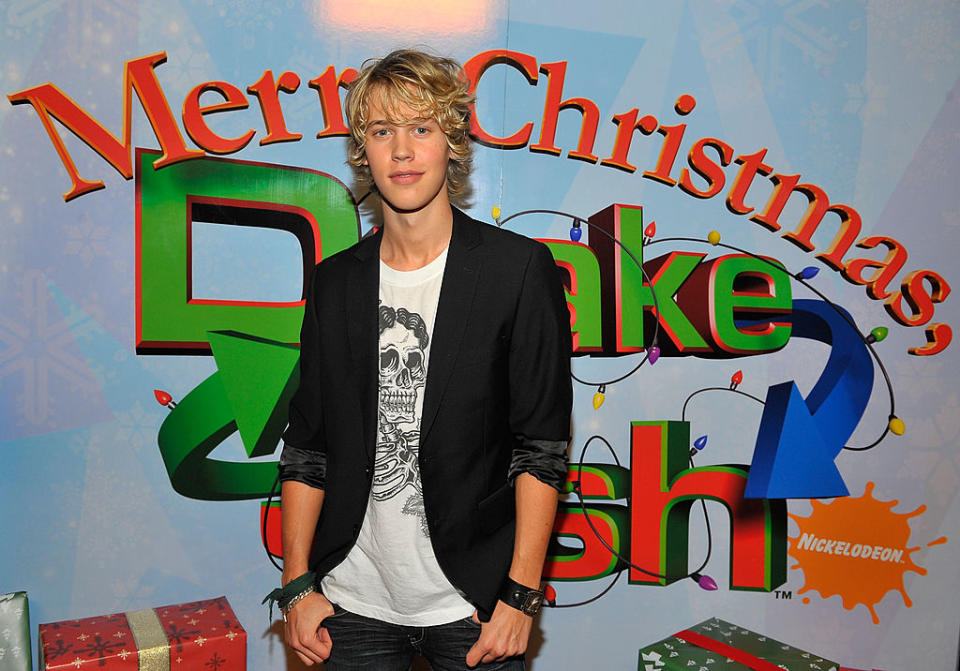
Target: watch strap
pixel 525 599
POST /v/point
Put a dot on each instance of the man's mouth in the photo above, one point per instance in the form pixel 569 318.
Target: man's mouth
pixel 405 176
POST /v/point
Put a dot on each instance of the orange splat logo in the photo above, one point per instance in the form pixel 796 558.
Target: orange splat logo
pixel 857 548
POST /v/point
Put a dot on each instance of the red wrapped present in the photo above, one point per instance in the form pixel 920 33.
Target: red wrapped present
pixel 199 635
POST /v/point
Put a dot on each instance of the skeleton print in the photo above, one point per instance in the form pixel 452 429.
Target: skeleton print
pixel 403 375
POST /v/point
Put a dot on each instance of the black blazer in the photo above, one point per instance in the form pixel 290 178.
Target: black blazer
pixel 498 382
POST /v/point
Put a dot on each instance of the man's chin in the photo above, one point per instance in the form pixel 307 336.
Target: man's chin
pixel 413 206
pixel 405 210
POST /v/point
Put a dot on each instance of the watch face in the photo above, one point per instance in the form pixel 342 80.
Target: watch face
pixel 533 602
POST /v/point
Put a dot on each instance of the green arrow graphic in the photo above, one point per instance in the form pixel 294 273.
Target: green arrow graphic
pixel 251 389
pixel 259 377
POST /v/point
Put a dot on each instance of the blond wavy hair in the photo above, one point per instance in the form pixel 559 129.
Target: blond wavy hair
pixel 434 87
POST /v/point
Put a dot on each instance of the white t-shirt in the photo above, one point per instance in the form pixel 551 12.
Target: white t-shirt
pixel 392 574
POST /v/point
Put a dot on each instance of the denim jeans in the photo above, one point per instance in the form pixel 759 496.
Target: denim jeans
pixel 364 643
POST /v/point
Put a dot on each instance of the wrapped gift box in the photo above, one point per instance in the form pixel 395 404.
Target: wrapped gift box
pixel 14 632
pixel 716 645
pixel 200 635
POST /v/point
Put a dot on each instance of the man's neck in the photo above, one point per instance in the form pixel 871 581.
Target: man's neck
pixel 411 240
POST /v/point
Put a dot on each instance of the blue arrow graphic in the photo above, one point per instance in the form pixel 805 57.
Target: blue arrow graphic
pixel 799 438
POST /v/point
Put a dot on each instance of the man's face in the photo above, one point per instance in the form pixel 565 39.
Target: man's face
pixel 407 157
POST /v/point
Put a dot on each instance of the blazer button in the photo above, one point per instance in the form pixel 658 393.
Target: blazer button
pixel 356 529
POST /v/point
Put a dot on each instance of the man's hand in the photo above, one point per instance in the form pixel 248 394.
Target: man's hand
pixel 505 635
pixel 303 628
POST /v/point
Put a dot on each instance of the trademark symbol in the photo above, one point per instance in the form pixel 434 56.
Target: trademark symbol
pixel 783 594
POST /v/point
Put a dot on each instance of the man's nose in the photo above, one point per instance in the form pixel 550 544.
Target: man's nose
pixel 402 149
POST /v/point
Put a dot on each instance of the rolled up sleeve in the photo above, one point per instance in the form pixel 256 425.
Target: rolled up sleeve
pixel 541 393
pixel 304 458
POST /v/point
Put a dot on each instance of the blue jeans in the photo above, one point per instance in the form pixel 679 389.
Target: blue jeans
pixel 364 643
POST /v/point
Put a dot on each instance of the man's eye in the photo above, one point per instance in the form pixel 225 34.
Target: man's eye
pixel 380 132
pixel 421 130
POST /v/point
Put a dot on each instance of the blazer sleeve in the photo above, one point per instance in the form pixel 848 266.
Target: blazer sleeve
pixel 304 458
pixel 541 393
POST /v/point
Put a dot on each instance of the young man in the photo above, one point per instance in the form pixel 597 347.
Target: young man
pixel 427 441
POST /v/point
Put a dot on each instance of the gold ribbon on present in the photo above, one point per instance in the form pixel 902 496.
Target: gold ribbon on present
pixel 152 644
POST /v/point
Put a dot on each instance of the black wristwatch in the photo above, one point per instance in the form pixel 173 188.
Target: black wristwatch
pixel 528 601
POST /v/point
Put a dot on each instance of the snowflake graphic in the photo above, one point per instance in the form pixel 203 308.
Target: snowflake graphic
pixel 936 44
pixel 87 241
pixel 103 22
pixel 24 17
pixel 100 650
pixel 215 662
pixel 924 38
pixel 772 32
pixel 137 427
pixel 187 67
pixel 250 18
pixel 867 99
pixel 34 345
pixel 57 649
pixel 179 636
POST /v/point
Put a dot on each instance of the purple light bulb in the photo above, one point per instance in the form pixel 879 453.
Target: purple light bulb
pixel 704 581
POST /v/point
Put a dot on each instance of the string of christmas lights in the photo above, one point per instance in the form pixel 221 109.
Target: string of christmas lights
pixel 706 582
pixel 894 424
pixel 652 353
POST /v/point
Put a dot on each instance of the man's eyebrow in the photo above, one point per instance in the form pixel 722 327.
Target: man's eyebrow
pixel 399 122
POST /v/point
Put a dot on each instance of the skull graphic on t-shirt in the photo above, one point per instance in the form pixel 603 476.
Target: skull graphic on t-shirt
pixel 403 376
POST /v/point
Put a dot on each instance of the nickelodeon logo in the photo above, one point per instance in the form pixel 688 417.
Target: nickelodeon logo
pixel 846 549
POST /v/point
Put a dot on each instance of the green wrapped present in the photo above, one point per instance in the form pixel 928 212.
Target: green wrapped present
pixel 716 645
pixel 14 632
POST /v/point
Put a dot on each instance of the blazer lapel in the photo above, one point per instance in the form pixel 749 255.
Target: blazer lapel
pixel 362 292
pixel 460 278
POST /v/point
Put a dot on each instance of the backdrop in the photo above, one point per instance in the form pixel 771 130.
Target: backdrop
pixel 171 170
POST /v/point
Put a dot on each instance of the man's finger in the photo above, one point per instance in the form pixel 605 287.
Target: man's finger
pixel 475 654
pixel 307 648
pixel 303 658
pixel 493 656
pixel 306 652
pixel 316 647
